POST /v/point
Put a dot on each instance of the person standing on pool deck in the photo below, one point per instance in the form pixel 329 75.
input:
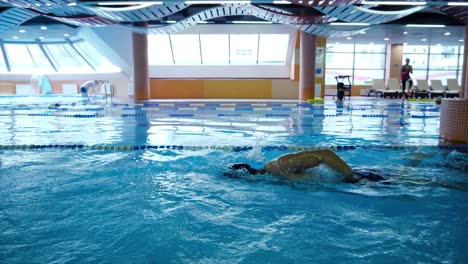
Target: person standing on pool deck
pixel 293 166
pixel 85 87
pixel 406 70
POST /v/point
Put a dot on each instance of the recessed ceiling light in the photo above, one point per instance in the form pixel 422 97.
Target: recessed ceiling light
pixel 392 3
pixel 207 2
pixel 48 4
pixel 44 28
pixel 348 38
pixel 348 24
pixel 461 40
pixel 41 38
pixel 386 39
pixel 405 33
pixel 423 39
pixel 66 35
pixel 447 33
pixel 38 4
pixel 15 37
pixel 457 3
pixel 282 2
pixel 404 44
pixel 22 31
pixel 362 32
pixel 251 22
pixel 438 44
pixel 337 43
pixel 425 25
pixel 300 2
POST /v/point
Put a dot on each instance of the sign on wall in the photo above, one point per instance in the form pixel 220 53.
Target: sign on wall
pixel 319 61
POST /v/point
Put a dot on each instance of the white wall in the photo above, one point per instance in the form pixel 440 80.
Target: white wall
pixel 114 43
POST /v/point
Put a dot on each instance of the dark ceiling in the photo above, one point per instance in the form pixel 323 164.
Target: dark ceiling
pixel 312 16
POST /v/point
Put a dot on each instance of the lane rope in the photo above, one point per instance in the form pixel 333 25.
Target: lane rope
pixel 227 148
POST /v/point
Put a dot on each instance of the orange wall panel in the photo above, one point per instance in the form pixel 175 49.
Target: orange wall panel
pixel 7 88
pixel 162 88
pixel 242 89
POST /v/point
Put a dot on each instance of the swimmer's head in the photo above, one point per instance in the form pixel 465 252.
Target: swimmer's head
pixel 238 169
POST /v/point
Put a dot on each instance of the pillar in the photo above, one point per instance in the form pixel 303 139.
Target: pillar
pixel 394 60
pixel 307 66
pixel 141 82
pixel 464 84
pixel 453 112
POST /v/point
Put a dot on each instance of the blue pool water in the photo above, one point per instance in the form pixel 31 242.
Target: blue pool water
pixel 81 184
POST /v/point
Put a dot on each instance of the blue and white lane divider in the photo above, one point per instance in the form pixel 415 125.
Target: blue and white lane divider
pixel 227 148
pixel 207 115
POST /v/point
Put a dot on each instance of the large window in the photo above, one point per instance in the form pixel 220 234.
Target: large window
pixel 66 58
pixel 218 49
pixel 214 49
pixel 362 62
pixel 36 57
pixel 99 62
pixel 436 62
pixel 26 58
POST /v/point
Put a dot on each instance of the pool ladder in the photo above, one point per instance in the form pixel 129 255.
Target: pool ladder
pixel 106 89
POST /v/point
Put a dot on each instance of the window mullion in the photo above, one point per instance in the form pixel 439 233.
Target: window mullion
pixel 76 50
pixel 5 57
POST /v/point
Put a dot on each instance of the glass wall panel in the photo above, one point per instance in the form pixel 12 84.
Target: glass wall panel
pixel 340 48
pixel 66 59
pixel 40 59
pixel 364 77
pixel 273 48
pixel 442 75
pixel 159 50
pixel 330 75
pixel 186 49
pixel 443 62
pixel 243 49
pixel 424 49
pixel 367 62
pixel 419 74
pixel 363 48
pixel 99 62
pixel 215 49
pixel 19 58
pixel 370 61
pixel 439 49
pixel 339 60
pixel 438 62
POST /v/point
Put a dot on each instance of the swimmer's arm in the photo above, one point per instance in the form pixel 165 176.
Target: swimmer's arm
pixel 333 161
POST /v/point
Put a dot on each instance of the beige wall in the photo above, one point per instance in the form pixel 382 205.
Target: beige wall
pixel 394 60
pixel 120 85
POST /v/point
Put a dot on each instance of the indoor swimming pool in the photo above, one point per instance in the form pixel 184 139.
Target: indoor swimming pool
pixel 144 183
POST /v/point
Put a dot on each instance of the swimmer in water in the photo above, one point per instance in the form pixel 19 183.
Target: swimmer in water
pixel 294 166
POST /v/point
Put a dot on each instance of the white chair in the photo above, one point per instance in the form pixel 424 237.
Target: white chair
pixel 437 89
pixel 379 87
pixel 394 84
pixel 421 85
pixel 421 89
pixel 453 89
